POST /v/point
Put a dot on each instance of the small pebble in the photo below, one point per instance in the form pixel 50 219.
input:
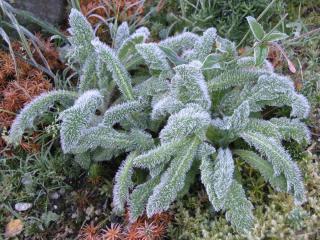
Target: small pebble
pixel 62 191
pixel 26 180
pixel 22 206
pixel 90 210
pixel 97 212
pixel 54 196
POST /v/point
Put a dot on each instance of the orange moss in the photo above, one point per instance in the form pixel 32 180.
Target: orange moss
pixel 89 232
pixel 150 231
pixel 16 92
pixel 144 228
pixel 121 9
pixel 112 233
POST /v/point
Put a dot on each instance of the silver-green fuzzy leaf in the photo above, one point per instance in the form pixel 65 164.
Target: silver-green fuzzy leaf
pixel 34 109
pixel 119 112
pixel 189 85
pixel 292 129
pixel 121 35
pixel 180 42
pixel 207 179
pixel 281 162
pixel 158 155
pixel 123 183
pixel 172 181
pixel 81 37
pixel 238 208
pixel 187 122
pixel 203 46
pixel 139 197
pixel 223 172
pixel 153 56
pixel 77 118
pixel 119 72
pixel 88 78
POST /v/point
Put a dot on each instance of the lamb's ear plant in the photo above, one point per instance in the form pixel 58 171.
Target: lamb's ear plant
pixel 184 106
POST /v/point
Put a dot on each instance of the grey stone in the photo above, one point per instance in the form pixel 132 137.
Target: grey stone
pixel 52 11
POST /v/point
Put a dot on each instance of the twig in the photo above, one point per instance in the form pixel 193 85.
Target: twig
pixel 303 35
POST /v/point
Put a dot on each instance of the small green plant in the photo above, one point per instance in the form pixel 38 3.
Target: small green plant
pixel 264 40
pixel 228 16
pixel 171 118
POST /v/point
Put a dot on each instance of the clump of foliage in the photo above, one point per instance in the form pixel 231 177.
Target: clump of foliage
pixel 177 108
pixel 228 16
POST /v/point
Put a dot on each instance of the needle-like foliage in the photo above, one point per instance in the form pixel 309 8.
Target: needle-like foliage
pixel 169 106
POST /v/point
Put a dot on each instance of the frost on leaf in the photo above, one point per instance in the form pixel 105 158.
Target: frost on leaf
pixel 139 197
pixel 81 37
pixel 120 112
pixel 265 168
pixel 36 108
pixel 187 122
pixel 153 56
pixel 158 155
pixel 172 181
pixel 164 106
pixel 189 85
pixel 180 42
pixel 123 183
pixel 237 121
pixel 204 45
pixel 88 78
pixel 292 129
pixel 77 118
pixel 119 72
pixel 127 51
pixel 238 208
pixel 281 162
pixel 121 35
pixel 223 172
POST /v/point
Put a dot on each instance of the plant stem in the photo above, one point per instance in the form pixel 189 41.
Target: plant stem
pixel 6 111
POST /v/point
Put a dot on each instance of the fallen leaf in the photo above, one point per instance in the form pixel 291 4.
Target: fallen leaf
pixel 292 68
pixel 14 228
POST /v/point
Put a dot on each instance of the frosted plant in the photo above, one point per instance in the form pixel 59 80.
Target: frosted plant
pixel 176 108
